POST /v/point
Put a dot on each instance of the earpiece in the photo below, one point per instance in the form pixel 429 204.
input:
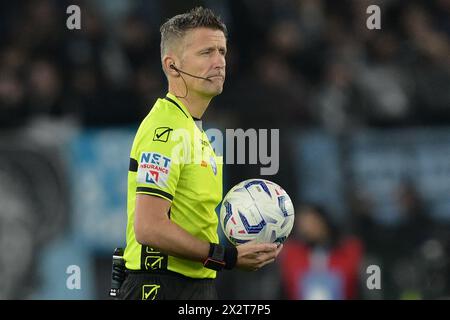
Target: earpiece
pixel 172 66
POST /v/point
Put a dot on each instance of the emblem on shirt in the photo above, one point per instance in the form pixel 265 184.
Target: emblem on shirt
pixel 162 134
pixel 153 168
pixel 150 291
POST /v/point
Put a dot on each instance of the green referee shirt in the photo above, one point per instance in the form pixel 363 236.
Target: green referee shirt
pixel 173 159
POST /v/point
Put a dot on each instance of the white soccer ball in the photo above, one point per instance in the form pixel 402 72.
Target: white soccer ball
pixel 259 210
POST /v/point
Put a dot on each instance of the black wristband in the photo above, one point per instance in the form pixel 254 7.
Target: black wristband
pixel 230 257
pixel 220 257
pixel 211 249
pixel 216 257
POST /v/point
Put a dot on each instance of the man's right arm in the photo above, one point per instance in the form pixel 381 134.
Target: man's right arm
pixel 153 227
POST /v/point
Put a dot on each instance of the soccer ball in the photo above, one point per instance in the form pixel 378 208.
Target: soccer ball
pixel 259 210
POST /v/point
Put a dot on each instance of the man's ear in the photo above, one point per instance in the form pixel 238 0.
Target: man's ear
pixel 170 66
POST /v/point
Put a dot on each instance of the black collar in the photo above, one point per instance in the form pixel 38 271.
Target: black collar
pixel 177 105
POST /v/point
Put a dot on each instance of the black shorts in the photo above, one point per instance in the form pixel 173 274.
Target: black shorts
pixel 139 285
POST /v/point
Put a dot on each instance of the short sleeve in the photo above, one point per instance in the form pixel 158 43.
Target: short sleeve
pixel 161 157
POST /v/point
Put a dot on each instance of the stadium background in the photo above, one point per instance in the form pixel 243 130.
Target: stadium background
pixel 364 118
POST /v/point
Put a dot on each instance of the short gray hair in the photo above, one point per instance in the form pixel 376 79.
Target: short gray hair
pixel 198 17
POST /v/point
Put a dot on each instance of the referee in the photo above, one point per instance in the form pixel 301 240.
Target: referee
pixel 175 178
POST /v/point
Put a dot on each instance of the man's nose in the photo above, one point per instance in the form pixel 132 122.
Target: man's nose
pixel 219 61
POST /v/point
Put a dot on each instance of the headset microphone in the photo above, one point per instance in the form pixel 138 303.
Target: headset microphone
pixel 191 75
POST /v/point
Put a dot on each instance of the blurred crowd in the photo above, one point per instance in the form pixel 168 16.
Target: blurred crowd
pixel 317 65
pixel 315 60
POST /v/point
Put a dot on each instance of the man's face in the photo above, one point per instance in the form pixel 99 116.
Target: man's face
pixel 311 226
pixel 203 55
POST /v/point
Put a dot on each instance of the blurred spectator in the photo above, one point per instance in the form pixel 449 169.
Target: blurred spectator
pixel 317 262
pixel 415 250
pixel 45 89
pixel 337 103
pixel 284 95
pixel 383 84
pixel 429 56
pixel 139 42
pixel 12 99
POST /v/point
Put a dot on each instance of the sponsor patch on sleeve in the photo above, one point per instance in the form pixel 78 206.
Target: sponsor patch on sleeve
pixel 154 168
